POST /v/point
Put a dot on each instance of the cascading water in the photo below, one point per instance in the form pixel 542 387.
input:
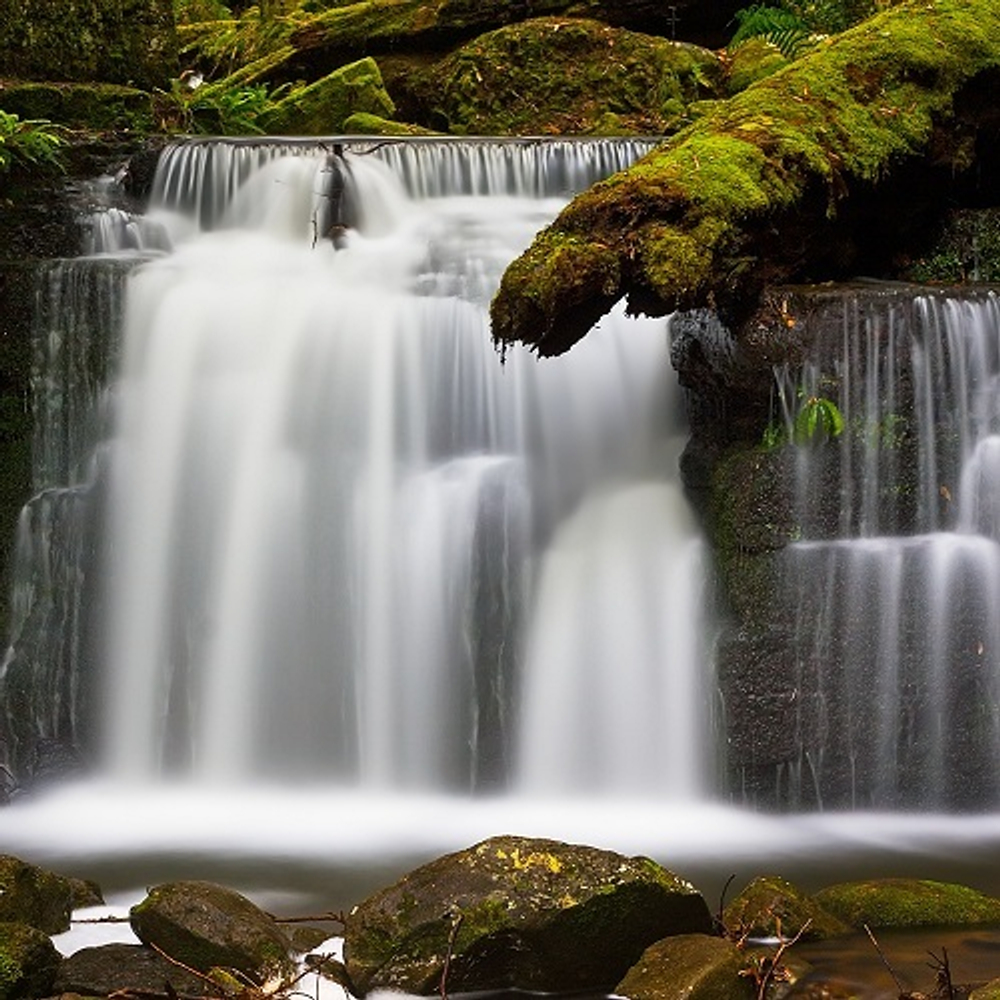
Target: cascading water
pixel 897 575
pixel 343 542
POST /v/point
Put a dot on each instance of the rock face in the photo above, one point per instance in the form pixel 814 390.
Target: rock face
pixel 692 966
pixel 783 182
pixel 517 913
pixel 28 962
pixel 34 896
pixel 114 41
pixel 205 925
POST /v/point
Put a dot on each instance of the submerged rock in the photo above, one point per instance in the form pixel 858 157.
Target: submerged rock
pixel 205 926
pixel 28 962
pixel 517 913
pixel 900 903
pixel 33 896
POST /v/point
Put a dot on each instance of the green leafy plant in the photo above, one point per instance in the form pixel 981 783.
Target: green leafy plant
pixel 794 26
pixel 214 109
pixel 30 142
pixel 818 420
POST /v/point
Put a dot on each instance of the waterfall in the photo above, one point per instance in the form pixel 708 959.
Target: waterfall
pixel 896 576
pixel 341 542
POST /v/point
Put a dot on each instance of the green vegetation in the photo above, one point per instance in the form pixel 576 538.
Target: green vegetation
pixel 36 143
pixel 215 110
pixel 698 221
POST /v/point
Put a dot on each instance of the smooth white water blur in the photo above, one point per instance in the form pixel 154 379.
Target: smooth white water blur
pixel 337 522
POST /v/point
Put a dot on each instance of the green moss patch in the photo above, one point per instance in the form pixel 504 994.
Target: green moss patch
pixel 788 152
pixel 901 903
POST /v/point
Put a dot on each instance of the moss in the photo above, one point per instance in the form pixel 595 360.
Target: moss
pixel 750 62
pixel 365 123
pixel 900 903
pixel 565 76
pixel 771 906
pixel 794 145
pixel 322 108
pixel 966 249
pixel 91 106
pixel 28 962
pixel 129 42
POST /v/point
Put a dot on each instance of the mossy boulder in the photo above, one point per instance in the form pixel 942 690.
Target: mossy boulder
pixel 562 76
pixel 517 913
pixel 902 903
pixel 364 123
pixel 799 177
pixel 28 962
pixel 692 966
pixel 771 906
pixel 322 108
pixel 31 895
pixel 755 59
pixel 130 42
pixel 93 106
pixel 988 991
pixel 205 925
pixel 101 971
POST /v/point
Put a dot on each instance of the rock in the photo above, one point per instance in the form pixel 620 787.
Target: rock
pixel 692 967
pixel 322 108
pixel 559 75
pixel 786 181
pixel 900 903
pixel 363 123
pixel 988 991
pixel 129 42
pixel 28 962
pixel 33 896
pixel 86 892
pixel 101 971
pixel 517 913
pixel 755 59
pixel 771 906
pixel 94 106
pixel 205 925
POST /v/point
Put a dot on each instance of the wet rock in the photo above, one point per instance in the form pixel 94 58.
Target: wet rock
pixel 33 896
pixel 899 903
pixel 513 912
pixel 205 925
pixel 692 966
pixel 28 962
pixel 771 906
pixel 104 970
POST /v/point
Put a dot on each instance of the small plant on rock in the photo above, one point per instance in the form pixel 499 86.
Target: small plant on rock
pixel 30 142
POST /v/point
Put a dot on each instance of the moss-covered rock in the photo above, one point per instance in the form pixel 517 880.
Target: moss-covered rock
pixel 28 962
pixel 93 106
pixel 513 912
pixel 363 123
pixel 34 896
pixel 752 61
pixel 205 925
pixel 693 966
pixel 322 108
pixel 771 906
pixel 757 190
pixel 129 42
pixel 901 903
pixel 967 249
pixel 563 75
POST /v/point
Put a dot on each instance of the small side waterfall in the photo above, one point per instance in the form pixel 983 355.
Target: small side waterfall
pixel 342 542
pixel 897 575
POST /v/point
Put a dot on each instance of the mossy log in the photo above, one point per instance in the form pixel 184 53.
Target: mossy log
pixel 781 183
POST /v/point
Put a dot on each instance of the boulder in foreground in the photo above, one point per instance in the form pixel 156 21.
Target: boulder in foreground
pixel 517 913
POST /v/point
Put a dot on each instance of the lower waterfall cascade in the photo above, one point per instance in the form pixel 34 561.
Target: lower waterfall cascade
pixel 303 547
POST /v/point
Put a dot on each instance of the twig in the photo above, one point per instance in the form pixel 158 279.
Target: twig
pixel 892 972
pixel 99 920
pixel 337 918
pixel 942 969
pixel 456 922
pixel 720 924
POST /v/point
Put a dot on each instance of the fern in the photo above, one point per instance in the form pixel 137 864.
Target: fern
pixel 31 142
pixel 781 27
